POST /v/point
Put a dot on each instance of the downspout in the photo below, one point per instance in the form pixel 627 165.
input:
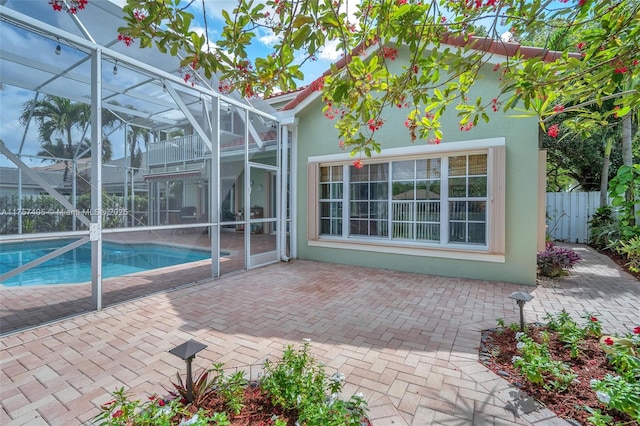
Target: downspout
pixel 293 238
pixel 284 137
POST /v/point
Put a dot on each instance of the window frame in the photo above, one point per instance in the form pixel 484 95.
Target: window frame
pixel 492 250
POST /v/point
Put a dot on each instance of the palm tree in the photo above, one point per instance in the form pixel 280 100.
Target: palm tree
pixel 56 115
pixel 59 116
pixel 59 150
pixel 135 137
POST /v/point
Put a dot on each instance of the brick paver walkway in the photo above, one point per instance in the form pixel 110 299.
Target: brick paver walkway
pixel 409 342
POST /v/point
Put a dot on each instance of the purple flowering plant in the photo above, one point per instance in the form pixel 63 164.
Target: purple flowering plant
pixel 554 261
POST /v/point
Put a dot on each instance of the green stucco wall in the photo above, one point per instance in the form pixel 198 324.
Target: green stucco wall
pixel 317 136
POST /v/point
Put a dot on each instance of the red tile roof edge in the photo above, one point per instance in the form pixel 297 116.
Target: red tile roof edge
pixel 485 44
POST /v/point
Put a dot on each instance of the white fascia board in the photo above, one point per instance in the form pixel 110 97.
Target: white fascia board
pixel 416 150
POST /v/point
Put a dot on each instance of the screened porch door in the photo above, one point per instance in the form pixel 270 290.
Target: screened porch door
pixel 262 215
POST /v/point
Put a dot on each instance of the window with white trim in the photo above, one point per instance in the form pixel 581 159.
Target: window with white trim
pixel 331 190
pixel 424 200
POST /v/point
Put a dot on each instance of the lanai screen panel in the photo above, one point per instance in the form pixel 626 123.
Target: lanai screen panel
pixel 159 174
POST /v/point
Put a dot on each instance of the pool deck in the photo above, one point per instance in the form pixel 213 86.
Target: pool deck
pixel 408 342
pixel 23 307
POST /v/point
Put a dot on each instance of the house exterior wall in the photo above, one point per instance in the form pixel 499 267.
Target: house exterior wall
pixel 318 137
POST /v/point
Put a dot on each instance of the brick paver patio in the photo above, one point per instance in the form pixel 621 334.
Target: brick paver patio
pixel 408 342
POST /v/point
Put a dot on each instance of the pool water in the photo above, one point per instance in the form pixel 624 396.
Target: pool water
pixel 74 266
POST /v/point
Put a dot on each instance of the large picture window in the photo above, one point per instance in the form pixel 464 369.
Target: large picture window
pixel 424 200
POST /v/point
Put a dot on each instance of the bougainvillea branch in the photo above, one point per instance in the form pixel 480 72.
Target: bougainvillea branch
pixel 71 6
pixel 444 58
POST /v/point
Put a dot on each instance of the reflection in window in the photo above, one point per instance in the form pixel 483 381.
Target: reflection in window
pixel 416 200
pixel 468 199
pixel 331 200
pixel 368 193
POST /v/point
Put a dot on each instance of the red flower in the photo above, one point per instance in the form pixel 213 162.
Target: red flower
pixel 593 319
pixel 108 404
pixel 558 108
pixel 374 124
pixel 636 330
pixel 620 70
pixel 554 131
pixel 581 45
pixel 318 84
pixel 358 164
pixel 117 414
pixel 126 39
pixel 616 108
pixel 161 402
pixel 582 2
pixel 467 127
pixel 608 341
pixel 390 53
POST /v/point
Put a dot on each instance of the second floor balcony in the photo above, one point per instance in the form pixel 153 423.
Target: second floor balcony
pixel 182 149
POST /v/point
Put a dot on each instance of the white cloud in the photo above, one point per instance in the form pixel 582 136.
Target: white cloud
pixel 330 51
pixel 268 38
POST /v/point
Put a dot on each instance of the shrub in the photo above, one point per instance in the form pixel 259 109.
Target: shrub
pixel 631 250
pixel 554 261
pixel 296 383
pixel 605 229
pixel 624 190
pixel 299 382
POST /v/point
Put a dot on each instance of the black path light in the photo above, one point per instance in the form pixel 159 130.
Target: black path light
pixel 187 351
pixel 521 298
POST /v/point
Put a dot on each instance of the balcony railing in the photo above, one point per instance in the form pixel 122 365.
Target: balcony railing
pixel 177 150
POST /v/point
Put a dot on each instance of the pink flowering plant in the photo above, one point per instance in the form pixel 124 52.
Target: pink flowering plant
pixel 616 388
pixel 621 391
pixel 571 333
pixel 295 387
pixel 123 410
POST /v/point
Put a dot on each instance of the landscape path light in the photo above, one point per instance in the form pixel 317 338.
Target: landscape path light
pixel 521 298
pixel 187 351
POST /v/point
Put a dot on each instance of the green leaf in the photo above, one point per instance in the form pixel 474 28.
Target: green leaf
pixel 301 20
pixel 300 37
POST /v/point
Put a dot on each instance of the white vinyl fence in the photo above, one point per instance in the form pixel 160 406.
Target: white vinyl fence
pixel 568 215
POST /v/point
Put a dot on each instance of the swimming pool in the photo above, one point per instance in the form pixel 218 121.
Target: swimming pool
pixel 74 266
